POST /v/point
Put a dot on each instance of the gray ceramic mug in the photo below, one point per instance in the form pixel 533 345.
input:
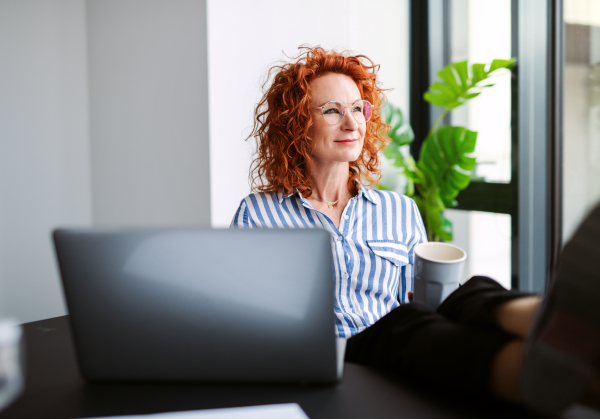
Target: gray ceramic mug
pixel 438 270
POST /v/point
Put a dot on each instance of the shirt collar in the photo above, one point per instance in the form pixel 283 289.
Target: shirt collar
pixel 281 195
pixel 367 193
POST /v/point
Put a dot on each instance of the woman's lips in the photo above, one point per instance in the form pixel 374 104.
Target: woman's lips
pixel 351 141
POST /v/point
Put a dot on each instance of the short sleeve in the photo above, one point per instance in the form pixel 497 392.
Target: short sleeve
pixel 241 219
pixel 420 234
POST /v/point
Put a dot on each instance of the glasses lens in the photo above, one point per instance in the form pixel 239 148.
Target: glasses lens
pixel 358 111
pixel 367 110
pixel 333 112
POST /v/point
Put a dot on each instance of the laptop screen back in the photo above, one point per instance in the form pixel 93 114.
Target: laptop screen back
pixel 200 304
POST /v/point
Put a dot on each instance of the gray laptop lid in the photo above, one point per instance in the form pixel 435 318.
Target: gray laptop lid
pixel 200 304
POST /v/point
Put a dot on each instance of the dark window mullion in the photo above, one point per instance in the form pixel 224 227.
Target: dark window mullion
pixel 418 72
pixel 514 132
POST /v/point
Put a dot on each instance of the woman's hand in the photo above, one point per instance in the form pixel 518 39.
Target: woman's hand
pixel 410 296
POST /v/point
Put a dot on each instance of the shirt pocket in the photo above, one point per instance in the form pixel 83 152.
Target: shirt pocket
pixel 391 250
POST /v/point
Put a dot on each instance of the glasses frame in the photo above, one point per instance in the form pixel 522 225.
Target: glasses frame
pixel 344 106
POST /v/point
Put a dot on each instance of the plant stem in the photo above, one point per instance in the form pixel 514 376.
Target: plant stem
pixel 438 121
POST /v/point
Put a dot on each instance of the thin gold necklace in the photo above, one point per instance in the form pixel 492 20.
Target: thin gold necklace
pixel 329 204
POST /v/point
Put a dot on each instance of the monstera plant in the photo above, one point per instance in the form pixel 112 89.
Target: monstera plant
pixel 446 163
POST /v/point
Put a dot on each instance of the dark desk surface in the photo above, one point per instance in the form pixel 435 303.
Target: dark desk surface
pixel 54 389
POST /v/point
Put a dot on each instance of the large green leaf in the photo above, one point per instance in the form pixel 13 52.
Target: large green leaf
pixel 400 135
pixel 400 132
pixel 459 85
pixel 432 209
pixel 446 161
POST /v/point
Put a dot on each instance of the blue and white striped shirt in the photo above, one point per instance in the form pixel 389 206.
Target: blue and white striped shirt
pixel 372 249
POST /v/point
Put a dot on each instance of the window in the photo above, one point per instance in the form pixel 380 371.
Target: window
pixel 518 180
pixel 483 222
pixel 581 111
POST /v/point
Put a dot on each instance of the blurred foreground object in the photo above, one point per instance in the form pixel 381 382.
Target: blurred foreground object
pixel 11 362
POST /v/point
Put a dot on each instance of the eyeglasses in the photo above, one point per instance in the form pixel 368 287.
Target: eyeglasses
pixel 334 112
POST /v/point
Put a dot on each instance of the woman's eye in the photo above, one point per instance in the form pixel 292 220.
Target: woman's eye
pixel 357 109
pixel 331 110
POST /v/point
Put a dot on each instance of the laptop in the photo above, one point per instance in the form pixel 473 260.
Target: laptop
pixel 201 304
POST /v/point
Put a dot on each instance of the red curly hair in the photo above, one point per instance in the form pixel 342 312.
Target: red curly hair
pixel 282 120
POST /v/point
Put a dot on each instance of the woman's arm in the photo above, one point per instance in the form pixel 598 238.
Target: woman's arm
pixel 241 219
pixel 419 236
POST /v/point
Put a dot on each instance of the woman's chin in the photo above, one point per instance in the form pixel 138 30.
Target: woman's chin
pixel 351 157
pixel 344 159
pixel 347 156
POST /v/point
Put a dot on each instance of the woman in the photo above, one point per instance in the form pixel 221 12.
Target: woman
pixel 318 134
pixel 313 164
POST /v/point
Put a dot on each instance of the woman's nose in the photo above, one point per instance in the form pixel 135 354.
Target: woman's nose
pixel 348 122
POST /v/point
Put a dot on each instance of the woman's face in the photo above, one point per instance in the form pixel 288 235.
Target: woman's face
pixel 343 141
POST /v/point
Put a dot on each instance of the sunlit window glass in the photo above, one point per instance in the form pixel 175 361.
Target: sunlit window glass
pixel 480 31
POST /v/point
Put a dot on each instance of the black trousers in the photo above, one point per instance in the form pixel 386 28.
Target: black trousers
pixel 451 348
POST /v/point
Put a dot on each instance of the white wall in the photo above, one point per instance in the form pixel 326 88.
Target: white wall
pixel 246 38
pixel 134 151
pixel 44 147
pixel 149 112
